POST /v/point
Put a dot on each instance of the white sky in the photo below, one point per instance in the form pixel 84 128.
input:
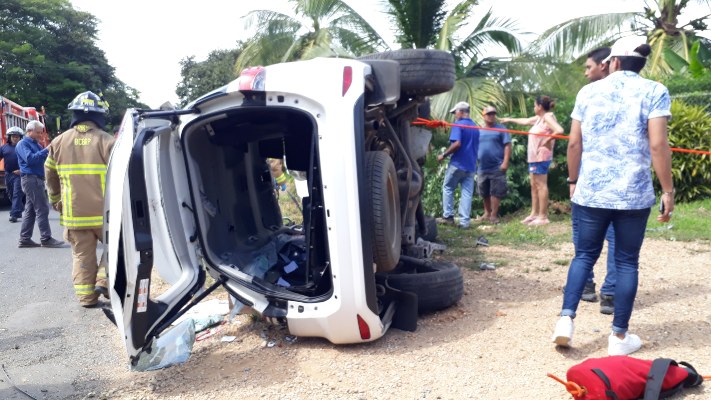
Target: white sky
pixel 145 39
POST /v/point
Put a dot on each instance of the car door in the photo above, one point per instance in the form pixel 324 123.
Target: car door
pixel 153 268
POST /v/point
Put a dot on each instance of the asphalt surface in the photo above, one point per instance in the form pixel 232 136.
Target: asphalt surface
pixel 49 345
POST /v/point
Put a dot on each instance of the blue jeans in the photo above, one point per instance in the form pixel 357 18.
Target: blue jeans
pixel 14 193
pixel 629 227
pixel 608 286
pixel 453 177
pixel 36 206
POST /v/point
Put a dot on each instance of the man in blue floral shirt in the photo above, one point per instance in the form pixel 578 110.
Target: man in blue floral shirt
pixel 619 130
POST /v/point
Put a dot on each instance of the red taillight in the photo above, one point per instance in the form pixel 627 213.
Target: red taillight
pixel 347 79
pixel 252 79
pixel 363 328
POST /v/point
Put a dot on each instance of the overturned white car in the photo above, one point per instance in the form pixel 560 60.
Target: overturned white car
pixel 189 193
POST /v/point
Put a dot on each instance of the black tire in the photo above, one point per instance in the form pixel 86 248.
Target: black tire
pixel 422 72
pixel 384 198
pixel 431 225
pixel 437 284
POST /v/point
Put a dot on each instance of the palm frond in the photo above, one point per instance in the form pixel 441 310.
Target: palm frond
pixel 454 20
pixel 264 18
pixel 361 31
pixel 568 40
pixel 478 92
pixel 490 31
pixel 417 21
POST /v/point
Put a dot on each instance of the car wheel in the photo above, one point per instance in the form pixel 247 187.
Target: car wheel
pixel 422 72
pixel 437 284
pixel 384 196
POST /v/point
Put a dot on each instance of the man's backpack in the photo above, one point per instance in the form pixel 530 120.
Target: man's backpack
pixel 627 378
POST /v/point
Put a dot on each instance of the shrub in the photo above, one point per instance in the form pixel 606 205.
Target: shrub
pixel 690 128
pixel 690 90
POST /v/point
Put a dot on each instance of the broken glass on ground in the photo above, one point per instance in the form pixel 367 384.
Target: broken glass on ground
pixel 173 347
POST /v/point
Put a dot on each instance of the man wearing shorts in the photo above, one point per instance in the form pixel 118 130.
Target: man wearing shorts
pixel 493 161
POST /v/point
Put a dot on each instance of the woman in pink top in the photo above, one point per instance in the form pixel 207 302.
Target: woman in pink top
pixel 540 154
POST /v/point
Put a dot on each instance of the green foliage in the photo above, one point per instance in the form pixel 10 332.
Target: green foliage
pixel 316 28
pixel 48 55
pixel 689 128
pixel 198 78
pixel 691 221
pixel 517 177
pixel 420 21
pixel 691 90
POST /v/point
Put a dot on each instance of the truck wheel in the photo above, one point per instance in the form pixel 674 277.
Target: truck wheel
pixel 384 198
pixel 422 72
pixel 437 284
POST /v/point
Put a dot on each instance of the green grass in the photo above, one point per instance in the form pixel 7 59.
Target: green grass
pixel 690 222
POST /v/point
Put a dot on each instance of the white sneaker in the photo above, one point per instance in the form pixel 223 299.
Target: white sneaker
pixel 623 347
pixel 563 334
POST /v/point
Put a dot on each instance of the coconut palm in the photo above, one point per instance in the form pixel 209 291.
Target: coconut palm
pixel 320 28
pixel 658 20
pixel 427 24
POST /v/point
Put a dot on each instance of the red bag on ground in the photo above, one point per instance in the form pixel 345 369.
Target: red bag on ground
pixel 627 378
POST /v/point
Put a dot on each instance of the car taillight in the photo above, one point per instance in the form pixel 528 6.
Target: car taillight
pixel 347 79
pixel 252 79
pixel 363 328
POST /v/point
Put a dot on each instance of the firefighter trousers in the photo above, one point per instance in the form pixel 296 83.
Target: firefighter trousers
pixel 86 273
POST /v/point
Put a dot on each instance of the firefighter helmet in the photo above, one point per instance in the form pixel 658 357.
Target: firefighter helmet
pixel 15 130
pixel 89 102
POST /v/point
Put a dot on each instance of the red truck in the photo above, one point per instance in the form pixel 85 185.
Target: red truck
pixel 13 114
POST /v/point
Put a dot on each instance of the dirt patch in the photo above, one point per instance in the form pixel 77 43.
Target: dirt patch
pixel 495 344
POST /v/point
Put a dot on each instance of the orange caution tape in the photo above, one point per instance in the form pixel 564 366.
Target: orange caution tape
pixel 441 124
pixel 572 387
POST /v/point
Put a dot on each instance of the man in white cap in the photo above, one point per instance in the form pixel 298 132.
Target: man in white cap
pixel 463 148
pixel 619 131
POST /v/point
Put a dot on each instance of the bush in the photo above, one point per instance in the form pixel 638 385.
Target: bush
pixel 690 128
pixel 690 90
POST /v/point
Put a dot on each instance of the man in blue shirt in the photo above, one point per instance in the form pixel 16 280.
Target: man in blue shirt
pixel 494 155
pixel 31 157
pixel 12 172
pixel 464 147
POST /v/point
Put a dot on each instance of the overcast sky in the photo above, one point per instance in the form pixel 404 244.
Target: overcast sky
pixel 145 39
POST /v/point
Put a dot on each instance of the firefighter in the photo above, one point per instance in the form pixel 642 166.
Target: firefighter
pixel 76 172
pixel 12 172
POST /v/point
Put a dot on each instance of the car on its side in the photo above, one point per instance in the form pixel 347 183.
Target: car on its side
pixel 189 195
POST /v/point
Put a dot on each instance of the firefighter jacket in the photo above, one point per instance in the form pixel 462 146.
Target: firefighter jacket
pixel 76 174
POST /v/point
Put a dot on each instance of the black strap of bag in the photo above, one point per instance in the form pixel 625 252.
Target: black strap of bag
pixel 655 379
pixel 694 378
pixel 609 393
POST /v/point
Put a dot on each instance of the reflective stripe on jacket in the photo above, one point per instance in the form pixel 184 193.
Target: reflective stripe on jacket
pixel 76 174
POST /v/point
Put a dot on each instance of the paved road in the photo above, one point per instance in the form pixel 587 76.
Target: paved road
pixel 49 345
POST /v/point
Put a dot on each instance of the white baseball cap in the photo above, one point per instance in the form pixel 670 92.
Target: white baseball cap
pixel 625 47
pixel 462 105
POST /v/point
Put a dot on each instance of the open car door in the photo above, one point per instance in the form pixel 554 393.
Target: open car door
pixel 152 268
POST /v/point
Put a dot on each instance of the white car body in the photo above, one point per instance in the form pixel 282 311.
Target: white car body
pixel 168 207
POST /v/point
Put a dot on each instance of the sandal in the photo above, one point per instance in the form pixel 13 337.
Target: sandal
pixel 528 219
pixel 539 221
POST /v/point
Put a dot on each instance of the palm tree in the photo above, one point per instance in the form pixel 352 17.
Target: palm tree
pixel 320 28
pixel 427 24
pixel 658 20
